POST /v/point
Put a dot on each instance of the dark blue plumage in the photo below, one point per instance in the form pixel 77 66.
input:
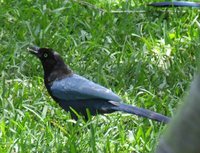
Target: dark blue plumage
pixel 75 87
pixel 74 92
pixel 175 4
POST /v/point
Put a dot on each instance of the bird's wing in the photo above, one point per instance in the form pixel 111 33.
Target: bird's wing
pixel 76 87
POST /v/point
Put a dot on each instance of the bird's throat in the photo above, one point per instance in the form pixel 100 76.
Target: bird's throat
pixel 57 75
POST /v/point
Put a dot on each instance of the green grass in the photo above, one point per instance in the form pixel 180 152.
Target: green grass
pixel 148 58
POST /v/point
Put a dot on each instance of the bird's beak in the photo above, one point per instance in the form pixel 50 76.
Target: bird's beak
pixel 33 50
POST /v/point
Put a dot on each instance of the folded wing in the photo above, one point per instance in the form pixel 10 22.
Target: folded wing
pixel 76 87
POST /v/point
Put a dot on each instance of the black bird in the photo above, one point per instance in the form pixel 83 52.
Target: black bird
pixel 74 92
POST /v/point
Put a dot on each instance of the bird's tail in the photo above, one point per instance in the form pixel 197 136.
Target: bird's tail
pixel 140 112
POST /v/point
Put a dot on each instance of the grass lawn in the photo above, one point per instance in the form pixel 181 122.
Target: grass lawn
pixel 147 56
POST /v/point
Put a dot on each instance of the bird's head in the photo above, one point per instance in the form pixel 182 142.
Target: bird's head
pixel 51 61
pixel 47 56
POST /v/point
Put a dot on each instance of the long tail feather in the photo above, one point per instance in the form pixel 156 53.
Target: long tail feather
pixel 141 112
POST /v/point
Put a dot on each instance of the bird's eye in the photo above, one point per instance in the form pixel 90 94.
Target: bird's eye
pixel 45 55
